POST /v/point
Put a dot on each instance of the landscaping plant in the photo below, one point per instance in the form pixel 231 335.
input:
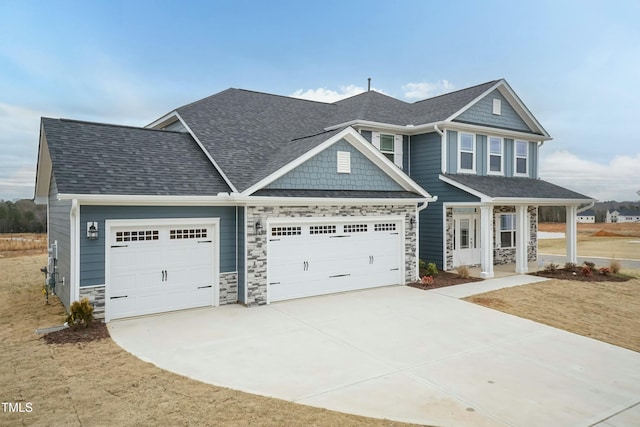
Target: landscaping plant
pixel 80 314
pixel 432 270
pixel 615 266
pixel 427 280
pixel 463 271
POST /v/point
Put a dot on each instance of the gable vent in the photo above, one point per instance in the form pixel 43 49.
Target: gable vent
pixel 344 162
pixel 497 107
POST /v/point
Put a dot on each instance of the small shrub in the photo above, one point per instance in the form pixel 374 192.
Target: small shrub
pixel 615 266
pixel 432 270
pixel 570 266
pixel 463 271
pixel 80 314
pixel 591 265
pixel 422 264
pixel 605 271
pixel 586 271
pixel 427 280
pixel 551 267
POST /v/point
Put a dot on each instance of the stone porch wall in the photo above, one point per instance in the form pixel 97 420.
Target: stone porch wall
pixel 508 255
pixel 228 288
pixel 96 297
pixel 257 242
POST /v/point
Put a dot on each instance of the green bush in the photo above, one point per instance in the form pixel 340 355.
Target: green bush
pixel 80 314
pixel 551 267
pixel 422 264
pixel 432 270
pixel 570 266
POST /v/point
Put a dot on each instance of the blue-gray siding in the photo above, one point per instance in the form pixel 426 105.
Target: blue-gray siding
pixel 482 156
pixel 367 134
pixel 482 113
pixel 241 255
pixel 425 169
pixel 176 126
pixel 59 230
pixel 320 173
pixel 92 263
pixel 405 154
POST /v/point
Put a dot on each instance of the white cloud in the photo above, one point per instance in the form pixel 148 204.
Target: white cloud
pixel 616 180
pixel 18 185
pixel 425 90
pixel 328 95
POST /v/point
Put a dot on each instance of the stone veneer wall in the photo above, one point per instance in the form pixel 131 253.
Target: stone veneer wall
pixel 228 288
pixel 508 255
pixel 449 238
pixel 96 298
pixel 257 243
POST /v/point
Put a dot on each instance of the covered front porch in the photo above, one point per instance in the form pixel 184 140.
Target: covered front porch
pixel 499 233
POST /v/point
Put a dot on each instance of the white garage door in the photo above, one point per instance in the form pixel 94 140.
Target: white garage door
pixel 158 268
pixel 306 259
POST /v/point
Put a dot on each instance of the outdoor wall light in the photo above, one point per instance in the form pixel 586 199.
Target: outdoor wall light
pixel 412 221
pixel 258 227
pixel 92 230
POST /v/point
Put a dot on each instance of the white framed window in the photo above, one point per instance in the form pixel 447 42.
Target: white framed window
pixel 495 163
pixel 466 152
pixel 507 230
pixel 497 106
pixel 521 167
pixel 388 146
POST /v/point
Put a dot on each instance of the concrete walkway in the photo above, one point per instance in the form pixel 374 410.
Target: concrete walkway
pixel 402 354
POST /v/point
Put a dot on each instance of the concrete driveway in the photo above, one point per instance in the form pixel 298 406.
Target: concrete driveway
pixel 398 353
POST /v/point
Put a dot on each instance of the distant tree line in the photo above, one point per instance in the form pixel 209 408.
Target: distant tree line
pixel 22 216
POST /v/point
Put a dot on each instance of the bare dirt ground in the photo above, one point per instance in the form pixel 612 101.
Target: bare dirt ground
pixel 606 311
pixel 621 241
pixel 98 383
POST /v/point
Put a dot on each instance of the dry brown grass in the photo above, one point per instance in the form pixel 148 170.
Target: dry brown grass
pixel 630 229
pixel 14 245
pixel 98 383
pixel 606 311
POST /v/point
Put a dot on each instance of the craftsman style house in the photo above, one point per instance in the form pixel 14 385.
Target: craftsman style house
pixel 253 198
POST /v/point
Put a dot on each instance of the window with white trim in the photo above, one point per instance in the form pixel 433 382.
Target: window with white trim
pixel 466 152
pixel 507 230
pixel 496 149
pixel 387 146
pixel 522 158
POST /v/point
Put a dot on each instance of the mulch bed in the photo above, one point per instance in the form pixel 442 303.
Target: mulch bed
pixel 576 274
pixel 96 331
pixel 443 279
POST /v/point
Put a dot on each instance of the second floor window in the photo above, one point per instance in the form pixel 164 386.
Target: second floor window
pixel 522 158
pixel 387 146
pixel 495 155
pixel 466 149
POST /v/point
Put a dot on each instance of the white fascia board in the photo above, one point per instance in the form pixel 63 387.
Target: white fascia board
pixel 483 197
pixel 163 121
pixel 386 127
pixel 43 172
pixel 140 200
pixel 486 130
pixel 302 201
pixel 206 152
pixel 474 101
pixel 353 137
pixel 536 201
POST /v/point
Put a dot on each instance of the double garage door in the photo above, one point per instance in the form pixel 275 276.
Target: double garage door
pixel 158 268
pixel 306 259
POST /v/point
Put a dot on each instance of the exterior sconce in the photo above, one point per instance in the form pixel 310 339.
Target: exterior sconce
pixel 258 227
pixel 412 222
pixel 92 230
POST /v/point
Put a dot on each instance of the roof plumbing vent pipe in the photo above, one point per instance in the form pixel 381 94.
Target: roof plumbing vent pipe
pixel 369 85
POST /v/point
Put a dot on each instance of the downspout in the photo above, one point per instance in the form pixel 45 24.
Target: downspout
pixel 540 144
pixel 74 236
pixel 443 150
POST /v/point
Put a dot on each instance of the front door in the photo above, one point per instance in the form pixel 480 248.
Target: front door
pixel 466 248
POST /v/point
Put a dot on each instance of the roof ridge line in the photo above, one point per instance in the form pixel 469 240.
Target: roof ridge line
pixel 455 91
pixel 86 122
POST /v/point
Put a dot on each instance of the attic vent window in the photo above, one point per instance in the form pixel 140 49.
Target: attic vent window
pixel 344 162
pixel 497 107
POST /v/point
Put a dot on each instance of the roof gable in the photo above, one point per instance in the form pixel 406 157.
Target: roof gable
pixel 481 113
pixel 320 173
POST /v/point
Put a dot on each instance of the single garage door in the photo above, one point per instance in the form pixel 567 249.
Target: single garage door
pixel 158 268
pixel 306 259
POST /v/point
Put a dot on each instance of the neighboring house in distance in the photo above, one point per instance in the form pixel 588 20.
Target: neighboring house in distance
pixel 587 217
pixel 623 215
pixel 250 197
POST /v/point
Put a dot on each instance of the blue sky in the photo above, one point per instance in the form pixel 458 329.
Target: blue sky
pixel 575 64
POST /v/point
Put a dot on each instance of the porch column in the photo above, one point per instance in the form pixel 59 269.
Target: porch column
pixel 572 234
pixel 486 241
pixel 521 240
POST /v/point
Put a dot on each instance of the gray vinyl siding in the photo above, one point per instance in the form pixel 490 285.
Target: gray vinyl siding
pixel 533 160
pixel 452 151
pixel 176 126
pixel 320 173
pixel 482 113
pixel 241 255
pixel 509 158
pixel 405 154
pixel 481 154
pixel 92 261
pixel 59 230
pixel 425 169
pixel 367 135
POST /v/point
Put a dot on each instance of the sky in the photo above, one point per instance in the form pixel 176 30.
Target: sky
pixel 575 64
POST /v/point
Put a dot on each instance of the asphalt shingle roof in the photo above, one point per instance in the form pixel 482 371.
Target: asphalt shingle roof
pixel 500 186
pixel 95 158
